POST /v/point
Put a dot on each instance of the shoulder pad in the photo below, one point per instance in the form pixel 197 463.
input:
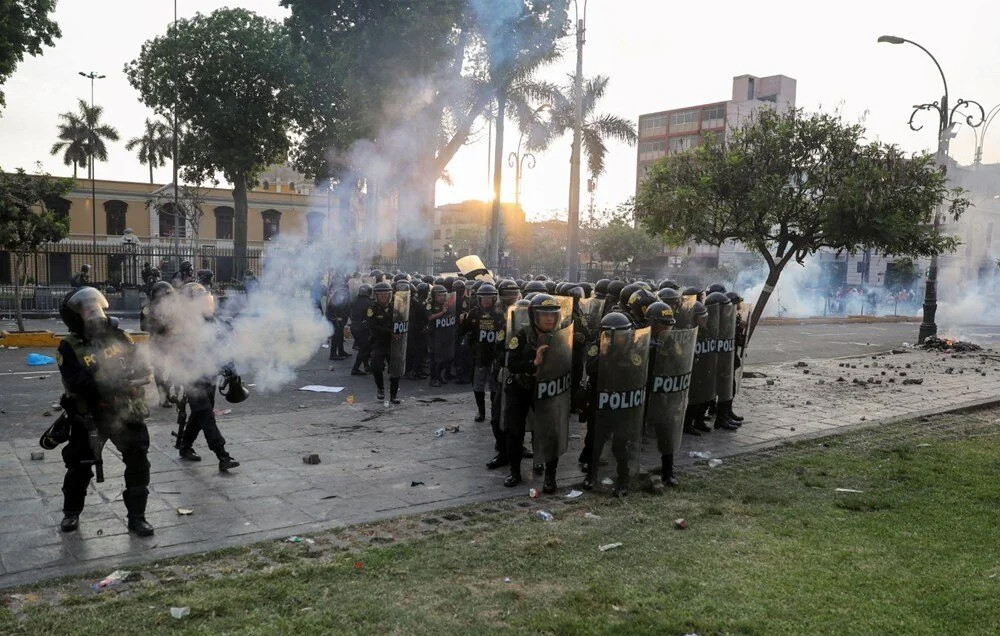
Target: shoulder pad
pixel 513 343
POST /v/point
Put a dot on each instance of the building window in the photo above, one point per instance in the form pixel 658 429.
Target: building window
pixel 314 225
pixel 437 234
pixel 267 186
pixel 272 221
pixel 650 150
pixel 713 116
pixel 680 144
pixel 653 125
pixel 291 186
pixel 171 225
pixel 114 214
pixel 59 205
pixel 684 121
pixel 224 223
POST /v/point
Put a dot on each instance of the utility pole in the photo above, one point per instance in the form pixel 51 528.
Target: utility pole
pixel 92 75
pixel 176 152
pixel 573 251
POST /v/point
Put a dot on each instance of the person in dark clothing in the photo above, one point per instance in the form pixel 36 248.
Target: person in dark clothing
pixel 359 329
pixel 81 278
pixel 103 377
pixel 338 312
pixel 379 321
pixel 416 346
pixel 484 326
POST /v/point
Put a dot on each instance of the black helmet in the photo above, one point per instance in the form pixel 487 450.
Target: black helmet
pixel 428 279
pixel 377 275
pixel 535 286
pixel 614 290
pixel 660 313
pixel 734 298
pixel 159 289
pixel 365 290
pixel 423 289
pixel 717 287
pixel 550 287
pixel 186 266
pixel 561 288
pixel 458 286
pixel 588 289
pixel 401 285
pixel 639 301
pixel 666 283
pixel 382 286
pixel 519 282
pixel 449 282
pixel 438 280
pixel 86 267
pixel 576 292
pixel 487 290
pixel 616 321
pixel 232 389
pixel 508 288
pixel 601 287
pixel 541 277
pixel 400 276
pixel 717 298
pixel 205 277
pixel 438 289
pixel 543 304
pixel 644 285
pixel 522 302
pixel 626 293
pixel 700 313
pixel 531 295
pixel 670 296
pixel 691 291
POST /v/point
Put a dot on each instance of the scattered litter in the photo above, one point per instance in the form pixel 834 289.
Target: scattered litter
pixel 848 490
pixel 439 433
pixel 37 455
pixel 13 348
pixel 800 364
pixel 506 579
pixel 116 577
pixel 770 382
pixel 607 481
pixel 222 411
pixel 350 399
pixel 325 346
pixel 37 360
pixel 47 414
pixel 329 497
pixel 714 463
pixel 914 380
pixel 700 454
pixel 573 494
pixel 311 541
pixel 544 515
pixel 250 386
pixel 416 483
pixel 185 511
pixel 922 445
pixel 180 612
pixel 590 515
pixel 946 344
pixel 319 388
pixel 294 539
pixel 754 374
pixel 358 565
pixel 311 459
pixel 680 524
pixel 455 429
pixel 533 493
pixel 609 546
pixel 433 400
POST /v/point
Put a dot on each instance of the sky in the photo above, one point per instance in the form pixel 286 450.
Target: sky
pixel 659 54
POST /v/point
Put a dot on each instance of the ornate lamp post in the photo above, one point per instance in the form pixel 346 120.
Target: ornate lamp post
pixel 946 126
pixel 980 134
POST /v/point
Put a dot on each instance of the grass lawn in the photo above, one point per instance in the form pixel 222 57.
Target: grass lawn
pixel 771 548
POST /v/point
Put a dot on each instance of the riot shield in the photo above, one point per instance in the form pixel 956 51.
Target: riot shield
pixel 670 378
pixel 725 351
pixel 743 323
pixel 444 331
pixel 703 372
pixel 552 392
pixel 592 310
pixel 517 319
pixel 685 315
pixel 400 329
pixel 621 401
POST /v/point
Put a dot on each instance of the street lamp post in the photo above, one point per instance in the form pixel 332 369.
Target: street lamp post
pixel 980 133
pixel 92 75
pixel 572 254
pixel 946 123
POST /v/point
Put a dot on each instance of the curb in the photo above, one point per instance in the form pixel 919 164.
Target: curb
pixel 45 338
pixel 834 320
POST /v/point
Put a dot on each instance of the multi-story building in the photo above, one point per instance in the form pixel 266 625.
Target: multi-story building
pixel 463 226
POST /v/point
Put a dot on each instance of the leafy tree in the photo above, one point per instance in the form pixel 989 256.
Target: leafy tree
pixel 788 184
pixel 617 241
pixel 232 76
pixel 72 141
pixel 25 27
pixel 155 145
pixel 26 222
pixel 901 275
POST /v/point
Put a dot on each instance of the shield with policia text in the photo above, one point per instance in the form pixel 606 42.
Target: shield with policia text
pixel 592 310
pixel 620 405
pixel 725 347
pixel 668 383
pixel 743 321
pixel 703 371
pixel 400 329
pixel 443 331
pixel 517 319
pixel 552 392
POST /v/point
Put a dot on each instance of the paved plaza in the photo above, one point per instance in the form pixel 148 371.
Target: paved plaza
pixel 377 462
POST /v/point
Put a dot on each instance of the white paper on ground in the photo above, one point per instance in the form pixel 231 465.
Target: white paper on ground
pixel 319 388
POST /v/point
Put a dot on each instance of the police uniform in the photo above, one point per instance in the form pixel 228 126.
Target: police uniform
pixel 464 363
pixel 519 391
pixel 485 328
pixel 379 322
pixel 619 443
pixel 97 374
pixel 360 333
pixel 416 345
pixel 435 311
pixel 337 312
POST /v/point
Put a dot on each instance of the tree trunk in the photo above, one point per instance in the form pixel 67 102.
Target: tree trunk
pixel 19 266
pixel 765 294
pixel 240 225
pixel 150 173
pixel 493 255
pixel 74 168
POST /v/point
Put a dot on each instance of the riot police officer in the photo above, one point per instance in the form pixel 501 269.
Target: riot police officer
pixel 103 378
pixel 671 355
pixel 416 346
pixel 463 364
pixel 441 328
pixel 379 322
pixel 154 319
pixel 199 394
pixel 184 275
pixel 484 326
pixel 338 311
pixel 359 329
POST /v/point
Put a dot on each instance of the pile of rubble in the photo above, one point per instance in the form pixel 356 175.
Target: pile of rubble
pixel 948 345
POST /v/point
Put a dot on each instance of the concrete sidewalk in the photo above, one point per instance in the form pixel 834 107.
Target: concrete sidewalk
pixel 378 462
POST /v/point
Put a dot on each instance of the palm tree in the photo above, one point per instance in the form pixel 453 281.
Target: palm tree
pixel 72 141
pixel 597 129
pixel 96 132
pixel 155 145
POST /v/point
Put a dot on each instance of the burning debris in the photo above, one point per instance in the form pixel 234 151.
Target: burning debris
pixel 948 345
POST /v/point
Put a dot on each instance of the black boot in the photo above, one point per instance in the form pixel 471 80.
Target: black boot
pixel 435 380
pixel 513 479
pixel 188 454
pixel 722 421
pixel 481 405
pixel 226 462
pixel 394 390
pixel 549 483
pixel 588 480
pixel 667 470
pixel 498 461
pixel 689 428
pixel 69 523
pixel 135 503
pixel 700 422
pixel 621 486
pixel 733 417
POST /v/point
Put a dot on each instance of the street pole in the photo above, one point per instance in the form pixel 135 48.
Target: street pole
pixel 92 75
pixel 928 327
pixel 176 151
pixel 572 253
pixel 977 158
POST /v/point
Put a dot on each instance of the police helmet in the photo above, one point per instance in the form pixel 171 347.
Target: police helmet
pixel 365 290
pixel 700 314
pixel 531 295
pixel 550 287
pixel 576 292
pixel 508 288
pixel 639 301
pixel 670 296
pixel 438 289
pixel 401 286
pixel 717 298
pixel 614 290
pixel 601 287
pixel 588 289
pixel 186 266
pixel 522 302
pixel 543 304
pixel 561 288
pixel 423 289
pixel 644 285
pixel 428 279
pixel 400 276
pixel 667 283
pixel 519 282
pixel 160 289
pixel 541 277
pixel 377 275
pixel 691 291
pixel 660 313
pixel 85 268
pixel 458 286
pixel 535 286
pixel 200 297
pixel 438 280
pixel 487 290
pixel 449 283
pixel 734 298
pixel 616 321
pixel 717 287
pixel 626 293
pixel 233 389
pixel 382 286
